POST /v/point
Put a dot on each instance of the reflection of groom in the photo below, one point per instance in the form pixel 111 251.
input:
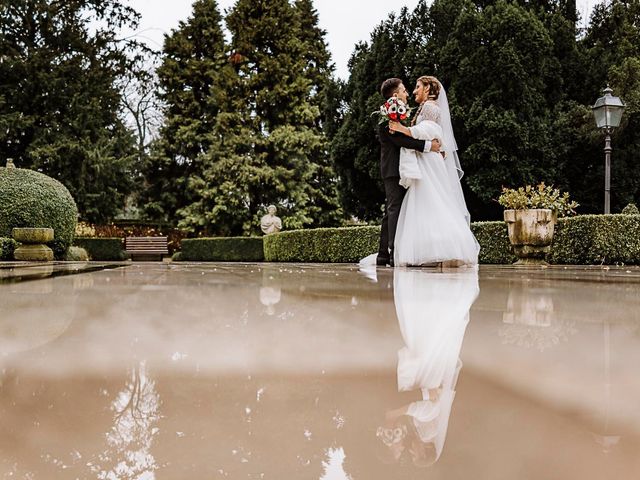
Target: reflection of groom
pixel 390 169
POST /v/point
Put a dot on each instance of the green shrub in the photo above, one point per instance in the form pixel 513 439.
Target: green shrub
pixel 177 257
pixel 581 240
pixel 102 249
pixel 539 196
pixel 631 209
pixel 31 199
pixel 76 254
pixel 332 245
pixel 494 242
pixel 222 249
pixel 7 246
pixel 597 239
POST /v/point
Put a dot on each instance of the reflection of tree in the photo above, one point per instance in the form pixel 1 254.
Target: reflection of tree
pixel 136 412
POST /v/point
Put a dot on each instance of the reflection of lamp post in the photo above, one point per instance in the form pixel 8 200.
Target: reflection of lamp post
pixel 608 113
pixel 606 440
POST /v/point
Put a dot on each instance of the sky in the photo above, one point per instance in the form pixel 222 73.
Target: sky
pixel 346 22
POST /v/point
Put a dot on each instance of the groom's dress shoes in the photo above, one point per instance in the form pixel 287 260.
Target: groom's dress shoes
pixel 382 261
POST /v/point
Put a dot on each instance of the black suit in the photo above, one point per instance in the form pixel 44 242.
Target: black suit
pixel 390 145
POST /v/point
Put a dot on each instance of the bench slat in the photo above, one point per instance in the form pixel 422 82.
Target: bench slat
pixel 146 246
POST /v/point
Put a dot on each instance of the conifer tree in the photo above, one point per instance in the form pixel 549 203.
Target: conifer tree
pixel 59 96
pixel 269 147
pixel 192 86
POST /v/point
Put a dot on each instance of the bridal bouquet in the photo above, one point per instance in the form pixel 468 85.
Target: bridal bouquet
pixel 393 109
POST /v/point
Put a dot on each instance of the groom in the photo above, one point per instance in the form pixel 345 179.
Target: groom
pixel 390 145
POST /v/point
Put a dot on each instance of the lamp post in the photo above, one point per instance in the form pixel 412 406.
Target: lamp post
pixel 608 113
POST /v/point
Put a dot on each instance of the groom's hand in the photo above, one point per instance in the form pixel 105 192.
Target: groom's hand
pixel 435 145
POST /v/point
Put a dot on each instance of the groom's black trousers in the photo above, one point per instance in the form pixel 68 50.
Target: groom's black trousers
pixel 395 194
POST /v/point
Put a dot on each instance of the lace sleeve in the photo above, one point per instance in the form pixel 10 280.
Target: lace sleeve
pixel 429 111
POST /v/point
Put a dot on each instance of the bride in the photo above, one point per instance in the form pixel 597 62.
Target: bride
pixel 433 226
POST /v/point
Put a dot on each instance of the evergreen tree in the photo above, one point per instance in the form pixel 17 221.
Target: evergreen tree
pixel 269 147
pixel 59 101
pixel 192 86
pixel 355 148
pixel 612 42
pixel 499 63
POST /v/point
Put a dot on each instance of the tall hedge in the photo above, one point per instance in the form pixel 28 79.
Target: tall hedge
pixel 31 199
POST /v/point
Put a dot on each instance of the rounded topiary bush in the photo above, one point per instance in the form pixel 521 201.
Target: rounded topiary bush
pixel 32 199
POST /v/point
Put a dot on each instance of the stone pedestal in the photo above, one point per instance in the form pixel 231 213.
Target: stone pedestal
pixel 32 244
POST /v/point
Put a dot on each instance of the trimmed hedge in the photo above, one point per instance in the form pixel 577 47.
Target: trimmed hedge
pixel 493 238
pixel 330 245
pixel 580 240
pixel 222 249
pixel 597 239
pixel 7 246
pixel 32 199
pixel 102 249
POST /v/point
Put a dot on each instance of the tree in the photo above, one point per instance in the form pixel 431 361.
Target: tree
pixel 60 109
pixel 191 88
pixel 355 149
pixel 267 145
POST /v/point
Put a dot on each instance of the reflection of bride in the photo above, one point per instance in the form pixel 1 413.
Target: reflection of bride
pixel 433 312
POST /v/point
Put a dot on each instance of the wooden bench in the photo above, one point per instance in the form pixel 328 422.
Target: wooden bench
pixel 146 247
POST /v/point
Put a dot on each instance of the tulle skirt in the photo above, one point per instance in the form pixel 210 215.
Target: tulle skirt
pixel 432 226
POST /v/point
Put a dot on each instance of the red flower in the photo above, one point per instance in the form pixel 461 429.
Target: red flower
pixel 393 116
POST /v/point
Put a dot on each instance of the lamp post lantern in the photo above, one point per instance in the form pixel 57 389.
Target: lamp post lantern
pixel 608 113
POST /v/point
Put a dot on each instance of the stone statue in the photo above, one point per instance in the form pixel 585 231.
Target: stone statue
pixel 10 163
pixel 270 223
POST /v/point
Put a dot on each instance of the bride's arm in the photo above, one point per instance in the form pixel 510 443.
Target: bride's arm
pixel 398 127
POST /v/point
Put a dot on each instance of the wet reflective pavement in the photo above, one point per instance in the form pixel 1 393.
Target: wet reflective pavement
pixel 324 372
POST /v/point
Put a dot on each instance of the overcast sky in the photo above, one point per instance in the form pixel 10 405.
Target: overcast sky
pixel 346 21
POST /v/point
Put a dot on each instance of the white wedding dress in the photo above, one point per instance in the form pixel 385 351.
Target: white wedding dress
pixel 433 313
pixel 433 225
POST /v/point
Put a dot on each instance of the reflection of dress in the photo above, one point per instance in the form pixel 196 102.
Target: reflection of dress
pixel 433 224
pixel 433 312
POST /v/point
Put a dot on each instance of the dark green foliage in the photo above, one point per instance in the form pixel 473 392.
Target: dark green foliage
pixel 520 80
pixel 494 243
pixel 355 149
pixel 631 209
pixel 194 83
pixel 267 145
pixel 31 199
pixel 76 254
pixel 59 97
pixel 330 245
pixel 597 239
pixel 102 249
pixel 7 246
pixel 222 249
pixel 581 240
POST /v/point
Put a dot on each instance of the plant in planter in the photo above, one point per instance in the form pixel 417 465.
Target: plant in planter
pixel 531 214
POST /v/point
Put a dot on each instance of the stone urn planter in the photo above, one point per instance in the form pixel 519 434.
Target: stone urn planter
pixel 531 234
pixel 32 244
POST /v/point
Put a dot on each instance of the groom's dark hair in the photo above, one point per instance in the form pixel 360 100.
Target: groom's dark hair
pixel 389 87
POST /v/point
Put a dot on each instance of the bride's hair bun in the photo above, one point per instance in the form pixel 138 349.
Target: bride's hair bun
pixel 433 84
